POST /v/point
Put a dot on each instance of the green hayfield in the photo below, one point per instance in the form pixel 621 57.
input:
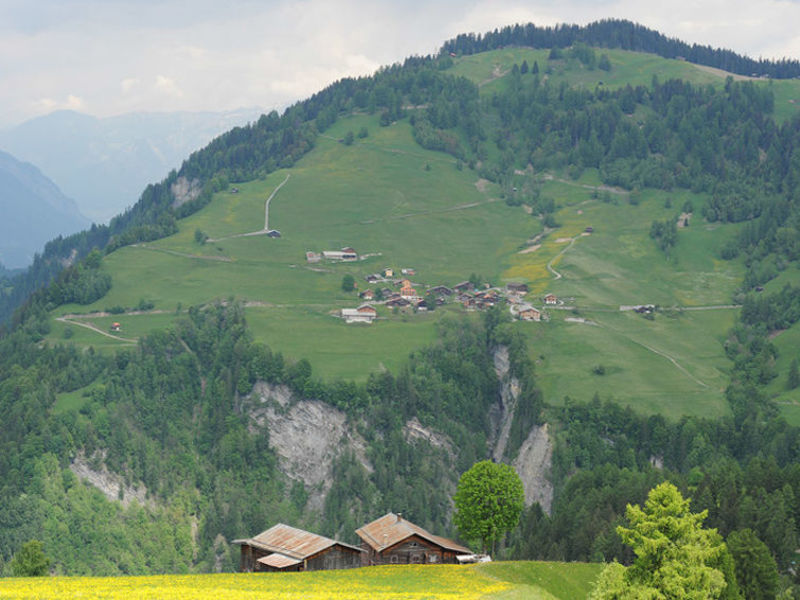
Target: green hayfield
pixel 379 196
pixel 533 580
pixel 627 68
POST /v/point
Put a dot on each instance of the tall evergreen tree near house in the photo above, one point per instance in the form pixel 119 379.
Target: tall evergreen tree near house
pixel 674 554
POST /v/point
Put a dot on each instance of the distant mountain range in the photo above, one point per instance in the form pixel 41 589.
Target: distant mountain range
pixel 105 163
pixel 34 211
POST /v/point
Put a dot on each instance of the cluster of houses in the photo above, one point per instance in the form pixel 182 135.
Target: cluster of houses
pixel 403 294
pixel 391 539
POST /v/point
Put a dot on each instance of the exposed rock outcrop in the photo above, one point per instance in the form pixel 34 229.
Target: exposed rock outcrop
pixel 185 190
pixel 533 466
pixel 502 413
pixel 307 436
pixel 112 485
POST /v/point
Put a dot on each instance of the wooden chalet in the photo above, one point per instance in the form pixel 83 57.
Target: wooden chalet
pixel 285 548
pixel 441 290
pixel 550 299
pixel 367 309
pixel 367 295
pixel 528 313
pixel 392 539
pixel 464 286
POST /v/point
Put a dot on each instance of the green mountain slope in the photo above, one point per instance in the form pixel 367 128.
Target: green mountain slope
pixel 412 207
pixel 197 364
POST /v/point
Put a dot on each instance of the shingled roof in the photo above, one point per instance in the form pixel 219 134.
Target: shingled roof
pixel 291 542
pixel 392 528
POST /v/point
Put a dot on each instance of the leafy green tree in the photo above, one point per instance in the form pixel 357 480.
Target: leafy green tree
pixel 30 561
pixel 348 138
pixel 756 570
pixel 488 501
pixel 348 283
pixel 363 132
pixel 673 552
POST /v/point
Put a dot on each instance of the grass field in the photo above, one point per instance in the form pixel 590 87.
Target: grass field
pixel 404 206
pixel 507 581
pixel 490 69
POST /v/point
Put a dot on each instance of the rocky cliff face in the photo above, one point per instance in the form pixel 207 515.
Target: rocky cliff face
pixel 307 436
pixel 534 458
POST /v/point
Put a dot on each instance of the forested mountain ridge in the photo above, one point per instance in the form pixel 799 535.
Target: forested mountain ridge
pixel 619 33
pixel 172 414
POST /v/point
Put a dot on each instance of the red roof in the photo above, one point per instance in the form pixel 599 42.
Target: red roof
pixel 391 529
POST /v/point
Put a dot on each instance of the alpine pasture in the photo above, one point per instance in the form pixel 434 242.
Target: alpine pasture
pixel 403 206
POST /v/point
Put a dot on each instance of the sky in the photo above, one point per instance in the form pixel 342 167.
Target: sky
pixel 107 57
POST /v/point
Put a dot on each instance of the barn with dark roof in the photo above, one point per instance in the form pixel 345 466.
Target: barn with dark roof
pixel 285 548
pixel 392 539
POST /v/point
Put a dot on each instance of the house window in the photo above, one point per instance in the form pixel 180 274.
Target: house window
pixel 433 558
pixel 393 560
pixel 416 559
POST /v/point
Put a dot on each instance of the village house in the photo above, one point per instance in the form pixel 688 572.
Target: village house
pixel 116 327
pixel 285 548
pixel 410 272
pixel 367 309
pixel 398 302
pixel 408 292
pixel 313 257
pixel 339 255
pixel 528 313
pixel 372 278
pixel 273 233
pixel 392 539
pixel 367 294
pixel 441 290
pixel 464 286
pixel 517 288
pixel 550 299
pixel 359 315
pixel 388 272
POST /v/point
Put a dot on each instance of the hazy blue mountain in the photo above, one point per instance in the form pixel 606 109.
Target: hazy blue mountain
pixel 106 163
pixel 33 210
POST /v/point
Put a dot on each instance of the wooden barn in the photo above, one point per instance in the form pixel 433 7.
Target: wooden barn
pixel 285 548
pixel 395 540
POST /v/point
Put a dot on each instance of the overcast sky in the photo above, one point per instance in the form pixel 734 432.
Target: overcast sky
pixel 105 57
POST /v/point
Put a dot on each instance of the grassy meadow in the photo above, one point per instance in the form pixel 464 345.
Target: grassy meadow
pixel 489 70
pixel 400 205
pixel 503 581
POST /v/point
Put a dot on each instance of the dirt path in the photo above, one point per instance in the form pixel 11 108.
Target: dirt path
pixel 550 268
pixel 429 212
pixel 96 329
pixel 497 73
pixel 266 217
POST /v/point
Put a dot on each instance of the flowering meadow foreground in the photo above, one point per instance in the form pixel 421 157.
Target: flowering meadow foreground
pixel 411 582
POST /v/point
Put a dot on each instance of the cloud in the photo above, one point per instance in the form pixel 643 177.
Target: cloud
pixel 71 102
pixel 167 86
pixel 128 84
